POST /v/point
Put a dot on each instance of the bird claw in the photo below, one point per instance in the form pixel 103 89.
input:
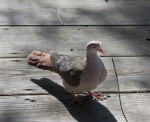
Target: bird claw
pixel 76 99
pixel 95 95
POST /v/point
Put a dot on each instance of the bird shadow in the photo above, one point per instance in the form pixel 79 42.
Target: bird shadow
pixel 91 110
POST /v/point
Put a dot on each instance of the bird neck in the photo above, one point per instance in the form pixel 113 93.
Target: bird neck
pixel 91 56
pixel 91 53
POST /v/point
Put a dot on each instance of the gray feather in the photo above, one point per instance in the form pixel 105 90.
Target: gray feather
pixel 69 68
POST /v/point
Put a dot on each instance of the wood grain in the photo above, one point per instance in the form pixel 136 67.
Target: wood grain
pixel 56 108
pixel 27 13
pixel 136 106
pixel 86 12
pixel 133 73
pixel 111 13
pixel 16 75
pixel 116 40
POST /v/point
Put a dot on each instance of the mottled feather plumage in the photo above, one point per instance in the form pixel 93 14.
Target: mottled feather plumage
pixel 69 68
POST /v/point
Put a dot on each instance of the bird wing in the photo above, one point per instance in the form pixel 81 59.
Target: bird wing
pixel 68 67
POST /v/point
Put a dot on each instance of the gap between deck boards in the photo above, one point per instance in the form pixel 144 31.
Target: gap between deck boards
pixel 34 94
pixel 101 56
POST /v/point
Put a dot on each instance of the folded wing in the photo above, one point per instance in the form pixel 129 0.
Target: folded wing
pixel 68 67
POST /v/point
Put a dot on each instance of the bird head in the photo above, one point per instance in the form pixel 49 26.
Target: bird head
pixel 94 47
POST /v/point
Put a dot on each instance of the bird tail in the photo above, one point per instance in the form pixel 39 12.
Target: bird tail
pixel 41 61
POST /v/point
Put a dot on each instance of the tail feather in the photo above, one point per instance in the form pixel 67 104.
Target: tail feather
pixel 41 61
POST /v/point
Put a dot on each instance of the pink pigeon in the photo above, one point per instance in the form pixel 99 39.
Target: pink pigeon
pixel 78 76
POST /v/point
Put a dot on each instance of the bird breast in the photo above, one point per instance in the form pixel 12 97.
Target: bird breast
pixel 93 69
pixel 92 73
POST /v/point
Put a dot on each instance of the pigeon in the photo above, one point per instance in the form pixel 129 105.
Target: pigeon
pixel 78 75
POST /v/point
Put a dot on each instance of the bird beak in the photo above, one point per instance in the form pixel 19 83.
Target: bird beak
pixel 102 51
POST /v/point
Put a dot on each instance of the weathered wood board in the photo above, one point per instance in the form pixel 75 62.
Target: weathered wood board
pixel 16 75
pixel 133 73
pixel 85 12
pixel 19 41
pixel 136 106
pixel 109 13
pixel 48 108
pixel 29 12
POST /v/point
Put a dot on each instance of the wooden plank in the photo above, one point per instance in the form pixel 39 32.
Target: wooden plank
pixel 116 40
pixel 109 14
pixel 133 73
pixel 58 108
pixel 27 13
pixel 136 107
pixel 71 4
pixel 16 75
pixel 85 12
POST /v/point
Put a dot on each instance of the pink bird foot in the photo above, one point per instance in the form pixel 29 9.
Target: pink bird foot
pixel 76 99
pixel 95 95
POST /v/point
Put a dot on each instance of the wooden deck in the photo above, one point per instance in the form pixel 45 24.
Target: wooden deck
pixel 30 94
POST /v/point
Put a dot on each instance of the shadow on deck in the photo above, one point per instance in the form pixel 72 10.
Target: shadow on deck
pixel 89 112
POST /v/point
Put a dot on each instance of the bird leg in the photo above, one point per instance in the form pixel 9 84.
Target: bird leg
pixel 95 95
pixel 76 99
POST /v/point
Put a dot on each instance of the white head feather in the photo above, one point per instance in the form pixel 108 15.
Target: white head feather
pixel 94 42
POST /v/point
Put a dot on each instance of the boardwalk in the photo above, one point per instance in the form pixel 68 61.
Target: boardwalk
pixel 31 94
